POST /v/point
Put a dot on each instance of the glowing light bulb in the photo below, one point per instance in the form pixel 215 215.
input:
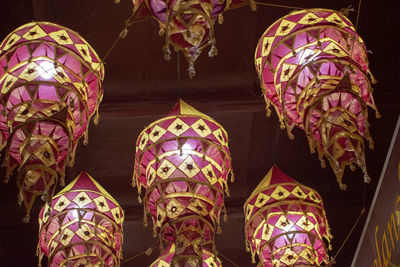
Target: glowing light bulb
pixel 46 69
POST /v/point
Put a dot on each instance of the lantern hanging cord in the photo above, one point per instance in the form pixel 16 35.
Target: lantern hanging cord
pixel 358 12
pixel 276 5
pixel 226 258
pixel 147 252
pixel 348 236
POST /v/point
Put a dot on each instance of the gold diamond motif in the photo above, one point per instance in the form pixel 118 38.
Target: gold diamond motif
pixel 267 45
pixel 160 216
pixel 82 89
pixel 310 18
pixel 299 193
pixel 305 224
pixel 83 50
pixel 313 197
pixel 11 41
pixel 267 231
pixel 45 154
pixel 285 27
pixel 116 212
pixel 290 257
pixel 198 207
pixel 30 72
pixel 201 128
pixel 261 200
pixel 284 224
pixel 335 49
pixel 308 255
pixel 101 204
pixel 166 169
pixel 220 136
pixel 249 210
pixel 151 175
pixel 156 133
pixel 61 204
pixel 66 236
pixel 287 71
pixel 334 18
pixel 259 64
pixel 61 37
pixel 35 33
pixel 85 232
pixel 209 174
pixel 174 208
pixel 178 127
pixel 82 199
pixel 280 193
pixel 60 75
pixel 189 167
pixel 143 141
pixel 8 83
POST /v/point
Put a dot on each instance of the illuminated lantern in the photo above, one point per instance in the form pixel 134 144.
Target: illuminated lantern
pixel 188 25
pixel 183 162
pixel 285 223
pixel 167 256
pixel 51 84
pixel 313 69
pixel 81 226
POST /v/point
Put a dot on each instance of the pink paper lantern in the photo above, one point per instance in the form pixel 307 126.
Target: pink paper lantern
pixel 313 69
pixel 81 226
pixel 183 162
pixel 188 25
pixel 285 223
pixel 51 84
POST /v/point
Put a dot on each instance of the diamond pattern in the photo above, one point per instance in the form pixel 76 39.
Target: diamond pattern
pixel 66 236
pixel 8 83
pixel 174 208
pixel 116 212
pixel 82 199
pixel 178 127
pixel 290 257
pixel 12 40
pixel 101 204
pixel 160 216
pixel 220 136
pixel 198 207
pixel 287 71
pixel 201 128
pixel 61 204
pixel 83 50
pixel 299 193
pixel 334 49
pixel 261 200
pixel 30 72
pixel 308 255
pixel 310 18
pixel 61 37
pixel 151 175
pixel 189 167
pixel 284 223
pixel 156 133
pixel 166 169
pixel 285 27
pixel 280 193
pixel 85 232
pixel 143 141
pixel 209 174
pixel 305 224
pixel 35 33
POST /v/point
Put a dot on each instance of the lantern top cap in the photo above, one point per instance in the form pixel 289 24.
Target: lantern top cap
pixel 274 177
pixel 183 108
pixel 85 182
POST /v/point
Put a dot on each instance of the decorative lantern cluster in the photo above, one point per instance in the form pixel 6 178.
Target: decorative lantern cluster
pixel 183 162
pixel 81 226
pixel 188 25
pixel 285 223
pixel 51 84
pixel 313 69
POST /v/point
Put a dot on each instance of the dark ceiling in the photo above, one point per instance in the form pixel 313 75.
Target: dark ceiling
pixel 141 87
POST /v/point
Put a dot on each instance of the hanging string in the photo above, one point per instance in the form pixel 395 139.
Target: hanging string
pixel 277 5
pixel 226 258
pixel 147 252
pixel 178 72
pixel 358 12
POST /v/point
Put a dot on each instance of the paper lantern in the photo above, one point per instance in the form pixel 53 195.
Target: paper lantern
pixel 81 226
pixel 183 162
pixel 167 256
pixel 188 25
pixel 285 223
pixel 51 84
pixel 313 69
